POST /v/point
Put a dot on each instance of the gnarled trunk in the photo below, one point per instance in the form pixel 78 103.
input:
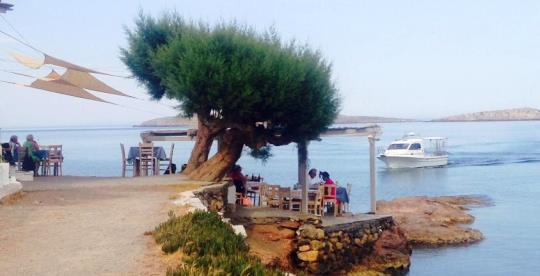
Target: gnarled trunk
pixel 229 152
pixel 203 144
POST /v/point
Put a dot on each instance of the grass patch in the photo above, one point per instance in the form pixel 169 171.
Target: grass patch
pixel 209 246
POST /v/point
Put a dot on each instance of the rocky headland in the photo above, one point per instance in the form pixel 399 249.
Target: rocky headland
pixel 514 114
pixel 435 221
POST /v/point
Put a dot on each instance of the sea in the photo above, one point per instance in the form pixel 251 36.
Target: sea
pixel 498 160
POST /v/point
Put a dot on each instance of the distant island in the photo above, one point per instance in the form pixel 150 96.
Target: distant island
pixel 346 119
pixel 172 121
pixel 514 114
pixel 175 121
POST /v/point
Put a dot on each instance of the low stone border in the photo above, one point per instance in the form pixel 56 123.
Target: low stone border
pixel 208 198
pixel 8 185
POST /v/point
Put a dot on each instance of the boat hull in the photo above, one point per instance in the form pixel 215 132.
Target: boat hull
pixel 396 162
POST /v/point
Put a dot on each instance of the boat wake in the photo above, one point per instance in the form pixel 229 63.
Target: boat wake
pixel 483 159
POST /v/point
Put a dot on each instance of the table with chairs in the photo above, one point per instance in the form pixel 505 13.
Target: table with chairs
pixel 52 163
pixel 146 159
pixel 51 159
pixel 324 200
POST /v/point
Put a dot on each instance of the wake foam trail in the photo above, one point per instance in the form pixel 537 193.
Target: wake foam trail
pixel 465 162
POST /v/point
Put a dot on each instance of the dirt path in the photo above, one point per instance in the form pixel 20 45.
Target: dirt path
pixel 85 226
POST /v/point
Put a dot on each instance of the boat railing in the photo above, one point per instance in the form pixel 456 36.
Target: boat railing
pixel 380 150
pixel 437 153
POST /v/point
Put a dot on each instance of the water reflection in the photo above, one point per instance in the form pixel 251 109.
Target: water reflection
pixel 414 181
pixel 412 176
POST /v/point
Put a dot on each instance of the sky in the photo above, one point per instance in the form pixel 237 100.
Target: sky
pixel 408 59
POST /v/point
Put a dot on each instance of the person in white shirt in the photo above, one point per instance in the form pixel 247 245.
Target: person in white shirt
pixel 313 181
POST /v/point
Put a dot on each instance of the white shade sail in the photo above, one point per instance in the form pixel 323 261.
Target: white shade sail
pixel 87 81
pixel 65 89
pixel 27 61
pixel 36 64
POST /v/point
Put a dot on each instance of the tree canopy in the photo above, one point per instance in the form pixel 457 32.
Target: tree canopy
pixel 232 77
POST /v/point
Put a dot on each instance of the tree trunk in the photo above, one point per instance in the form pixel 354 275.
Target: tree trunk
pixel 201 149
pixel 229 152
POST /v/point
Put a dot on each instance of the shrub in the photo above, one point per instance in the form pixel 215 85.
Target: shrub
pixel 210 246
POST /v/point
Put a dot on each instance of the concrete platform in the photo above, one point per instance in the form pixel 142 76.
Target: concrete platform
pixel 243 213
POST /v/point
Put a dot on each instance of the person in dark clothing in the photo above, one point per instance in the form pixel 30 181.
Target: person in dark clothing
pixel 6 154
pixel 239 180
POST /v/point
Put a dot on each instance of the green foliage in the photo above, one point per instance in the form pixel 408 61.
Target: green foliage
pixel 210 245
pixel 262 153
pixel 233 76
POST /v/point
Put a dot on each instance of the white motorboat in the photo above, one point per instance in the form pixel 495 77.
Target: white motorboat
pixel 413 151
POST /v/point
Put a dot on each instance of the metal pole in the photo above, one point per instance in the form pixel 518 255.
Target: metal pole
pixel 302 172
pixel 372 174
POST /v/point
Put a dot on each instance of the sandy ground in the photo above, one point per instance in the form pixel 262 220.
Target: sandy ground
pixel 85 226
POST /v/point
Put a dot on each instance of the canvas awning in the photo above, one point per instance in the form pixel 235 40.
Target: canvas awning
pixel 36 64
pixel 65 89
pixel 59 87
pixel 78 79
pixel 87 81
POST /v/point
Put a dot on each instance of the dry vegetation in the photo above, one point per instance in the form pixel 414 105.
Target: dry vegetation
pixel 12 199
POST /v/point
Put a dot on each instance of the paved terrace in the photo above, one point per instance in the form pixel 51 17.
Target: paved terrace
pixel 85 226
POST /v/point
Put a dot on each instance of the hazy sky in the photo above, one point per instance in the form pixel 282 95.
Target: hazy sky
pixel 413 59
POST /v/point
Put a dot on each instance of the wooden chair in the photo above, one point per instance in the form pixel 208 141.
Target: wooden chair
pixel 54 160
pixel 296 200
pixel 315 201
pixel 345 204
pixel 125 163
pixel 147 159
pixel 239 197
pixel 285 198
pixel 168 165
pixel 253 191
pixel 21 152
pixel 270 195
pixel 329 197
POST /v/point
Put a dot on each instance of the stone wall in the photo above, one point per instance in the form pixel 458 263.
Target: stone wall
pixel 214 197
pixel 340 248
pixel 305 245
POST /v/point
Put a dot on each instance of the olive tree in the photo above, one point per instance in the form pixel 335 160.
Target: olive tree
pixel 245 88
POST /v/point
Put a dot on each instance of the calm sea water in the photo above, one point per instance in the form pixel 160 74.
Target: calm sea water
pixel 500 160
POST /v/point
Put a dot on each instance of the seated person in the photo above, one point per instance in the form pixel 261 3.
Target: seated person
pixel 329 182
pixel 6 154
pixel 14 145
pixel 313 181
pixel 239 180
pixel 326 178
pixel 33 151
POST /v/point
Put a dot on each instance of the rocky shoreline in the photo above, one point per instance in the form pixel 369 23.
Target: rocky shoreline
pixel 377 247
pixel 435 221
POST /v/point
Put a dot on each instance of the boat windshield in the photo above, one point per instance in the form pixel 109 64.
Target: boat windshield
pixel 415 146
pixel 398 146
